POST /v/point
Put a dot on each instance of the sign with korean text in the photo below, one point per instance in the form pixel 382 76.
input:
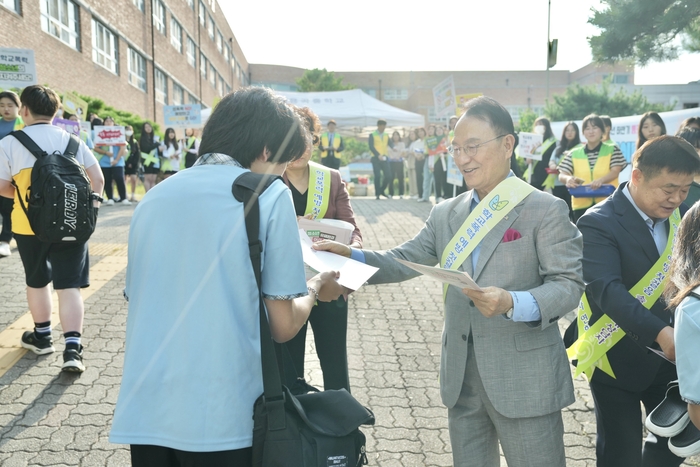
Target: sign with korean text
pixel 72 103
pixel 462 99
pixel 528 143
pixel 109 136
pixel 444 97
pixel 183 116
pixel 69 125
pixel 17 68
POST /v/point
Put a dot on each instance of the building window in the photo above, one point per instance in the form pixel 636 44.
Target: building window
pixel 212 75
pixel 203 65
pixel 140 4
pixel 221 85
pixel 190 3
pixel 219 42
pixel 191 99
pixel 227 52
pixel 159 16
pixel 60 19
pixel 178 94
pixel 137 70
pixel 12 5
pixel 228 89
pixel 621 79
pixel 191 52
pixel 104 47
pixel 396 94
pixel 210 27
pixel 161 87
pixel 202 14
pixel 176 34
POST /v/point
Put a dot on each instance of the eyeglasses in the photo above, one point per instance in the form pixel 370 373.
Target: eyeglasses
pixel 469 150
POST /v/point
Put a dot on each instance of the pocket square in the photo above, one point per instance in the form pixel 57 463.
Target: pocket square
pixel 510 235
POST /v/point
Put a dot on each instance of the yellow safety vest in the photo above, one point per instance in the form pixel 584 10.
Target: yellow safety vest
pixel 19 124
pixel 189 145
pixel 582 170
pixel 381 143
pixel 336 144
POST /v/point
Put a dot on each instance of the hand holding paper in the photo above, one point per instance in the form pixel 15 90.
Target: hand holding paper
pixel 457 278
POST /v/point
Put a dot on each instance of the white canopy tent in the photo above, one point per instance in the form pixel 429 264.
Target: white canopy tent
pixel 354 112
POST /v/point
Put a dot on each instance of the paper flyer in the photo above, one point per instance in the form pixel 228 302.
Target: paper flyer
pixel 457 278
pixel 353 274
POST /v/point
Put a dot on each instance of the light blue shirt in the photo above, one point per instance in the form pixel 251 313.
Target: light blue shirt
pixel 525 307
pixel 192 368
pixel 657 229
pixel 687 338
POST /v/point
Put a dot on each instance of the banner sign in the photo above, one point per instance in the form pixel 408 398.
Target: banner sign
pixel 528 142
pixel 17 68
pixel 462 99
pixel 72 103
pixel 444 97
pixel 109 136
pixel 68 125
pixel 183 116
pixel 454 175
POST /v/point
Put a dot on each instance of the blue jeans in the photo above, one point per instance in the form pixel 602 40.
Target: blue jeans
pixel 427 180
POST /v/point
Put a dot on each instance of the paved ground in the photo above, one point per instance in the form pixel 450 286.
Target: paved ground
pixel 48 418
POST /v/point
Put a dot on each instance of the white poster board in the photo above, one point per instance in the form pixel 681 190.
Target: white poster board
pixel 183 116
pixel 444 97
pixel 528 143
pixel 17 68
pixel 109 136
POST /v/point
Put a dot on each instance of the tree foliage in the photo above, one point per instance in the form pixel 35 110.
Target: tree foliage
pixel 321 80
pixel 579 101
pixel 526 122
pixel 121 117
pixel 645 30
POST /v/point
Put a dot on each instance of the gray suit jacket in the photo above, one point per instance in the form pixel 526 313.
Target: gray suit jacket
pixel 524 369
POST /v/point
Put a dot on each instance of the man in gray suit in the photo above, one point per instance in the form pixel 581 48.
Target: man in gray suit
pixel 504 374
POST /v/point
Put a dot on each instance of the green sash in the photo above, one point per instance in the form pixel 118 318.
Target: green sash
pixel 319 190
pixel 595 340
pixel 151 159
pixel 542 149
pixel 483 218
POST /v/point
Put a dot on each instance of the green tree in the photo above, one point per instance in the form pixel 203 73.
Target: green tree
pixel 645 30
pixel 526 122
pixel 121 117
pixel 321 80
pixel 579 101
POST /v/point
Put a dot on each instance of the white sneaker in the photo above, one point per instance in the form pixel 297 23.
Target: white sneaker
pixel 109 202
pixel 125 201
pixel 5 249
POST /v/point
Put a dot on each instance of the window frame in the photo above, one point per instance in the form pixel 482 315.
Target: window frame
pixel 140 4
pixel 161 94
pixel 100 31
pixel 203 69
pixel 134 78
pixel 212 74
pixel 191 58
pixel 159 21
pixel 177 89
pixel 73 19
pixel 211 26
pixel 175 27
pixel 14 9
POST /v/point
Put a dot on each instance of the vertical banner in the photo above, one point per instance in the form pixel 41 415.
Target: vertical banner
pixel 72 103
pixel 444 97
pixel 462 99
pixel 454 176
pixel 17 68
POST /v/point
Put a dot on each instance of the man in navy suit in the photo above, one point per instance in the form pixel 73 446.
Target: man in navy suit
pixel 623 238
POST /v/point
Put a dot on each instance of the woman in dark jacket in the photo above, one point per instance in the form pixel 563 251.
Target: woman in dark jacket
pixel 149 143
pixel 133 161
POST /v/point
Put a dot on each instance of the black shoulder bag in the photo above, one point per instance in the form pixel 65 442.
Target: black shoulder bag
pixel 319 429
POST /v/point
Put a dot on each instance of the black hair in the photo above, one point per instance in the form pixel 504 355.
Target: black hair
pixel 40 100
pixel 313 123
pixel 685 261
pixel 488 110
pixel 657 119
pixel 97 121
pixel 548 133
pixel 167 140
pixel 672 153
pixel 570 144
pixel 251 120
pixel 12 96
pixel 687 122
pixel 691 135
pixel 146 137
pixel 594 120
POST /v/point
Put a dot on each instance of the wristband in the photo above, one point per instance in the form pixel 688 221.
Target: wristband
pixel 311 289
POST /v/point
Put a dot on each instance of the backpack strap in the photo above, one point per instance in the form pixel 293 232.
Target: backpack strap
pixel 28 143
pixel 247 188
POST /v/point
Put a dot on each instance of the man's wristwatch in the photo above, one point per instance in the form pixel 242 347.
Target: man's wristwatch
pixel 509 313
pixel 97 197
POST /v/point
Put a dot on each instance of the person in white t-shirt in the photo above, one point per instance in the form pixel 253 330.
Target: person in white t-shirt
pixel 65 264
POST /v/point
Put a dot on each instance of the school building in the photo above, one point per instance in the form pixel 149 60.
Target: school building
pixel 516 90
pixel 136 55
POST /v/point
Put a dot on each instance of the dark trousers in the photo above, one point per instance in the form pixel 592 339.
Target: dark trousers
pixel 382 174
pixel 396 173
pixel 143 455
pixel 619 425
pixel 441 184
pixel 116 175
pixel 419 176
pixel 331 162
pixel 329 321
pixel 6 213
pixel 562 192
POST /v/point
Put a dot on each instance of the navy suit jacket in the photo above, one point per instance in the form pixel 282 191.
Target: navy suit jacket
pixel 618 250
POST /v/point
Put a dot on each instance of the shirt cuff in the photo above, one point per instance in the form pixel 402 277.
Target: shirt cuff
pixel 357 255
pixel 525 307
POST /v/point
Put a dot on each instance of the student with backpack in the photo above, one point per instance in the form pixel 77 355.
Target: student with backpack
pixel 46 257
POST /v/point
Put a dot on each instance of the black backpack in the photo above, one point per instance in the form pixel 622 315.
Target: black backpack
pixel 59 199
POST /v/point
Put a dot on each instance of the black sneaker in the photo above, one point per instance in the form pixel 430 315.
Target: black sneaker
pixel 38 345
pixel 671 416
pixel 687 443
pixel 73 359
